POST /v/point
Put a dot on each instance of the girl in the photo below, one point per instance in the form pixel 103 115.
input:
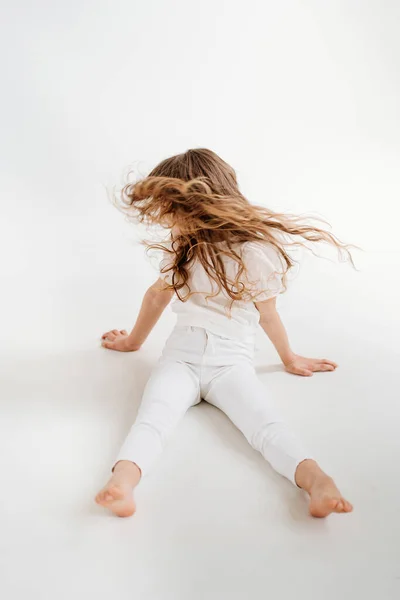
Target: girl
pixel 226 262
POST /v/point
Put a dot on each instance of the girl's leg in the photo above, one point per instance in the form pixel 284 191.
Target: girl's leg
pixel 171 390
pixel 239 393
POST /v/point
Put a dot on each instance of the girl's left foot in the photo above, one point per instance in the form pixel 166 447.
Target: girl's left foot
pixel 117 495
pixel 117 498
pixel 325 497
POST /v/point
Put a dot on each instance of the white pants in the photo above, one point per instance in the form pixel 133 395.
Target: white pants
pixel 195 365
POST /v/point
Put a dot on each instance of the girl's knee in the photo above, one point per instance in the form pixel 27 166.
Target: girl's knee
pixel 266 433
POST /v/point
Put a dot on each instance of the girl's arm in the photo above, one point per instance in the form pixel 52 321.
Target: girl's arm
pixel 299 365
pixel 155 300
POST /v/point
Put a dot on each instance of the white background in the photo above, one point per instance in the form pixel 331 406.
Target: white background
pixel 302 98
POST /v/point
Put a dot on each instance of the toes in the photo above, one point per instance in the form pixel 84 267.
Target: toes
pixel 324 504
pixel 334 505
pixel 100 497
pixel 347 506
pixel 339 507
pixel 104 496
pixel 109 494
pixel 343 506
pixel 115 492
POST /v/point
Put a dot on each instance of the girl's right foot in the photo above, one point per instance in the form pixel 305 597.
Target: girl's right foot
pixel 325 498
pixel 117 495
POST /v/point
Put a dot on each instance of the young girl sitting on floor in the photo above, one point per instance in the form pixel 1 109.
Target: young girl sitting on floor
pixel 225 261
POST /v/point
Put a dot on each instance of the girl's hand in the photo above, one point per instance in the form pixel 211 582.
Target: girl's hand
pixel 305 367
pixel 118 340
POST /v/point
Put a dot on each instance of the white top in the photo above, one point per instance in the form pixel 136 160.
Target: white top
pixel 263 279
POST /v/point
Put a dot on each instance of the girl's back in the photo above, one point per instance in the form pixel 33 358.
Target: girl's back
pixel 209 306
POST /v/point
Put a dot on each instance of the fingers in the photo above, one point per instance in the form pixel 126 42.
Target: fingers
pixel 111 335
pixel 323 367
pixel 305 373
pixel 108 336
pixel 309 366
pixel 325 361
pixel 111 339
pixel 109 345
pixel 300 371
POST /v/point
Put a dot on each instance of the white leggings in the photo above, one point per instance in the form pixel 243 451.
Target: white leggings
pixel 195 365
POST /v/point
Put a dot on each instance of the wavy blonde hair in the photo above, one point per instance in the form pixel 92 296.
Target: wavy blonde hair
pixel 198 193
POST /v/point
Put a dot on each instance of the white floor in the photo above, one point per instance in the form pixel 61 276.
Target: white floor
pixel 213 520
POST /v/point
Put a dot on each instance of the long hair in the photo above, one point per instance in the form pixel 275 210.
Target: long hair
pixel 197 194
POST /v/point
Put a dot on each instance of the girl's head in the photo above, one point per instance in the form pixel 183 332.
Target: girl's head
pixel 196 194
pixel 186 190
pixel 200 163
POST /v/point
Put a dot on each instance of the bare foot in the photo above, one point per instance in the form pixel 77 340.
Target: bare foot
pixel 118 498
pixel 117 495
pixel 325 497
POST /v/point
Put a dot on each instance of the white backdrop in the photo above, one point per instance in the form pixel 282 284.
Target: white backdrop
pixel 301 97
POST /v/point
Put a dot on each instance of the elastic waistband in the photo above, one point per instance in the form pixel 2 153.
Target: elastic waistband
pixel 249 339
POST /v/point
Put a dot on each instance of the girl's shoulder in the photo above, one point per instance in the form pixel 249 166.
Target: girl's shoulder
pixel 260 251
pixel 263 270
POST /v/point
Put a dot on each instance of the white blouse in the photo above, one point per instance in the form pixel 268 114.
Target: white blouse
pixel 263 278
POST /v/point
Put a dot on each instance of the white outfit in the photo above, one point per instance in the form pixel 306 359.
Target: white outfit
pixel 210 356
pixel 198 364
pixel 262 278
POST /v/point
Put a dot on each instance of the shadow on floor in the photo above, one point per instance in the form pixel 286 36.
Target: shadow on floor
pixel 278 368
pixel 82 380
